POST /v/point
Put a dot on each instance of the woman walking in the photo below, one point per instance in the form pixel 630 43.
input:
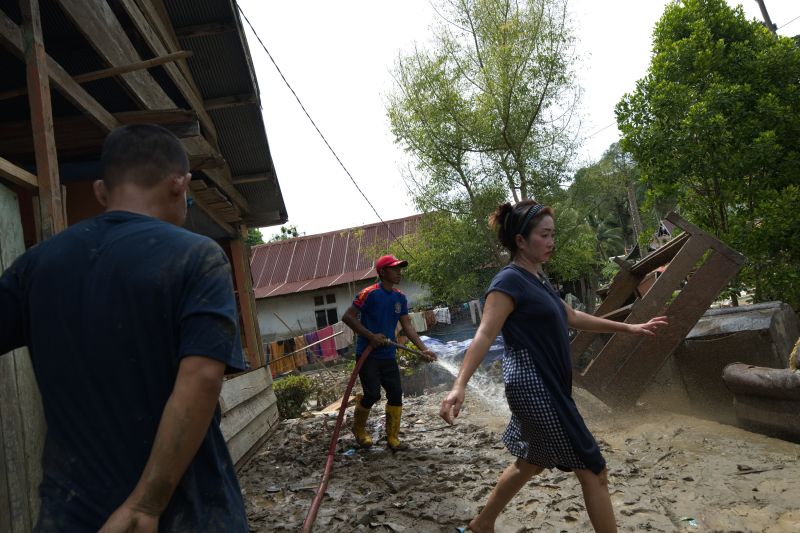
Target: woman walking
pixel 546 430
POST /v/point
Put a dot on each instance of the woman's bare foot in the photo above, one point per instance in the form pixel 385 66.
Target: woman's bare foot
pixel 476 527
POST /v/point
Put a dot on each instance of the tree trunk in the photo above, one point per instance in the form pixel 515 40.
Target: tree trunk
pixel 633 206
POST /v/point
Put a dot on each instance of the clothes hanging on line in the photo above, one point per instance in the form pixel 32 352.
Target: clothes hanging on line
pixel 475 312
pixel 345 337
pixel 418 321
pixel 314 352
pixel 300 357
pixel 442 315
pixel 328 345
pixel 430 319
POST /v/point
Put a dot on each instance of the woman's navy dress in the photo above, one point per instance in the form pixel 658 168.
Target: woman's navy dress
pixel 546 428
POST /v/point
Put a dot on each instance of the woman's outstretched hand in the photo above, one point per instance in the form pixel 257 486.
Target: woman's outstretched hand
pixel 451 405
pixel 649 327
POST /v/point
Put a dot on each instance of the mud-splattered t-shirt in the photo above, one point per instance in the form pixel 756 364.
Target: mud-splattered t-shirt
pixel 108 308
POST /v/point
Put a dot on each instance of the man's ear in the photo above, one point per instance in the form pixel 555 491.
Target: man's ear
pixel 180 183
pixel 100 192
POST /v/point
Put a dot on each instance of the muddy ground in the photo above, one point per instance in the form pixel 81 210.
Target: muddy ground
pixel 667 472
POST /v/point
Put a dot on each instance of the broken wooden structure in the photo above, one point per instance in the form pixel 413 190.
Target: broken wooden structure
pixel 183 64
pixel 617 368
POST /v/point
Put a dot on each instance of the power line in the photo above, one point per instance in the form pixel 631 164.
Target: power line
pixel 397 239
pixel 601 129
pixel 797 17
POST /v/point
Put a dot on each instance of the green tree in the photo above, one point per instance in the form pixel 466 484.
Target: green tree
pixel 715 127
pixel 484 114
pixel 254 237
pixel 286 232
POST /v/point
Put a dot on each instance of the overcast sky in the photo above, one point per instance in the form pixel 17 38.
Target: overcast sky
pixel 338 57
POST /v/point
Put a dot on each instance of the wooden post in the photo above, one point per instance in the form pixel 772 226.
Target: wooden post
pixel 244 287
pixel 50 203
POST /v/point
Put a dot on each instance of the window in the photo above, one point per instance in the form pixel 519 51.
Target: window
pixel 325 311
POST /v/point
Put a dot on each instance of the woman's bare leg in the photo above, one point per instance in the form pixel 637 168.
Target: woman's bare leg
pixel 598 501
pixel 515 476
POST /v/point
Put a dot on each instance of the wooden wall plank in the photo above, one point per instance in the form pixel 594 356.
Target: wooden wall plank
pixel 259 428
pixel 22 426
pixel 243 387
pixel 240 416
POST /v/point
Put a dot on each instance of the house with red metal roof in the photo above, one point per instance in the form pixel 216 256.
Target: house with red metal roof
pixel 308 282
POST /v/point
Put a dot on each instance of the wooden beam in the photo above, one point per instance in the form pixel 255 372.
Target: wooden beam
pixel 16 175
pixel 50 206
pixel 77 136
pixel 230 101
pixel 227 228
pixel 202 30
pixel 189 91
pixel 108 72
pixel 240 260
pixel 11 37
pixel 253 178
pixel 206 162
pixel 156 14
pixel 98 23
pixel 220 176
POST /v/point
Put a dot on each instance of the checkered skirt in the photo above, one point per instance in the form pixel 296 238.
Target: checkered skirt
pixel 535 432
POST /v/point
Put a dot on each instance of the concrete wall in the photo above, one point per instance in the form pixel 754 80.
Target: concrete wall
pixel 297 310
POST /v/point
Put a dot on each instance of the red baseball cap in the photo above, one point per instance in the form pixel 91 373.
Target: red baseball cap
pixel 386 261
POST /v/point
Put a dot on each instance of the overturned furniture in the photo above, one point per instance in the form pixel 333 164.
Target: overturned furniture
pixel 767 400
pixel 694 267
pixel 761 335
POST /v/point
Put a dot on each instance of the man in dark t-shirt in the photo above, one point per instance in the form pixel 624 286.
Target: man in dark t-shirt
pixel 131 323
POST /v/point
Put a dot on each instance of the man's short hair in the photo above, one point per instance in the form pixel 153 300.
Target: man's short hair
pixel 143 154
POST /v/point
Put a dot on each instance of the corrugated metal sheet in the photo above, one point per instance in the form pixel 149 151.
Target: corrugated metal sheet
pixel 324 260
pixel 194 12
pixel 244 143
pixel 218 64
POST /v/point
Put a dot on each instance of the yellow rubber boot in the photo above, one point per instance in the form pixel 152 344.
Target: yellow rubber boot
pixel 393 413
pixel 360 424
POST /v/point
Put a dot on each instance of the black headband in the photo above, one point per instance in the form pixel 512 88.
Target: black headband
pixel 529 215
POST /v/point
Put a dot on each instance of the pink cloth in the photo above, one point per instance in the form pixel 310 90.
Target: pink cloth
pixel 329 345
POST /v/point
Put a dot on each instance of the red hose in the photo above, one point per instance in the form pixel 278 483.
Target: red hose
pixel 327 474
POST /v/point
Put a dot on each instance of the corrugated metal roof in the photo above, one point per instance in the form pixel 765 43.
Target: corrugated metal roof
pixel 323 260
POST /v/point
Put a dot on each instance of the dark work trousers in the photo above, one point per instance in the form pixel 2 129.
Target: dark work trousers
pixel 377 373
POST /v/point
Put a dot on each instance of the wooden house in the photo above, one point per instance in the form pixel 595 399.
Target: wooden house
pixel 72 71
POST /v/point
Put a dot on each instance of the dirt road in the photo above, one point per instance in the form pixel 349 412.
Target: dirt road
pixel 667 472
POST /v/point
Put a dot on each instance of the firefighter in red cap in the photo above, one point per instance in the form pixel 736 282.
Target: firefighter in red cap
pixel 373 317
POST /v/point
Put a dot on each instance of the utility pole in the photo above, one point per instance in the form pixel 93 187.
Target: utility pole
pixel 771 26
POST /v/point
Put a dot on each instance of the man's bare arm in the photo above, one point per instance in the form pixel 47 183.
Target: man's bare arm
pixel 183 426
